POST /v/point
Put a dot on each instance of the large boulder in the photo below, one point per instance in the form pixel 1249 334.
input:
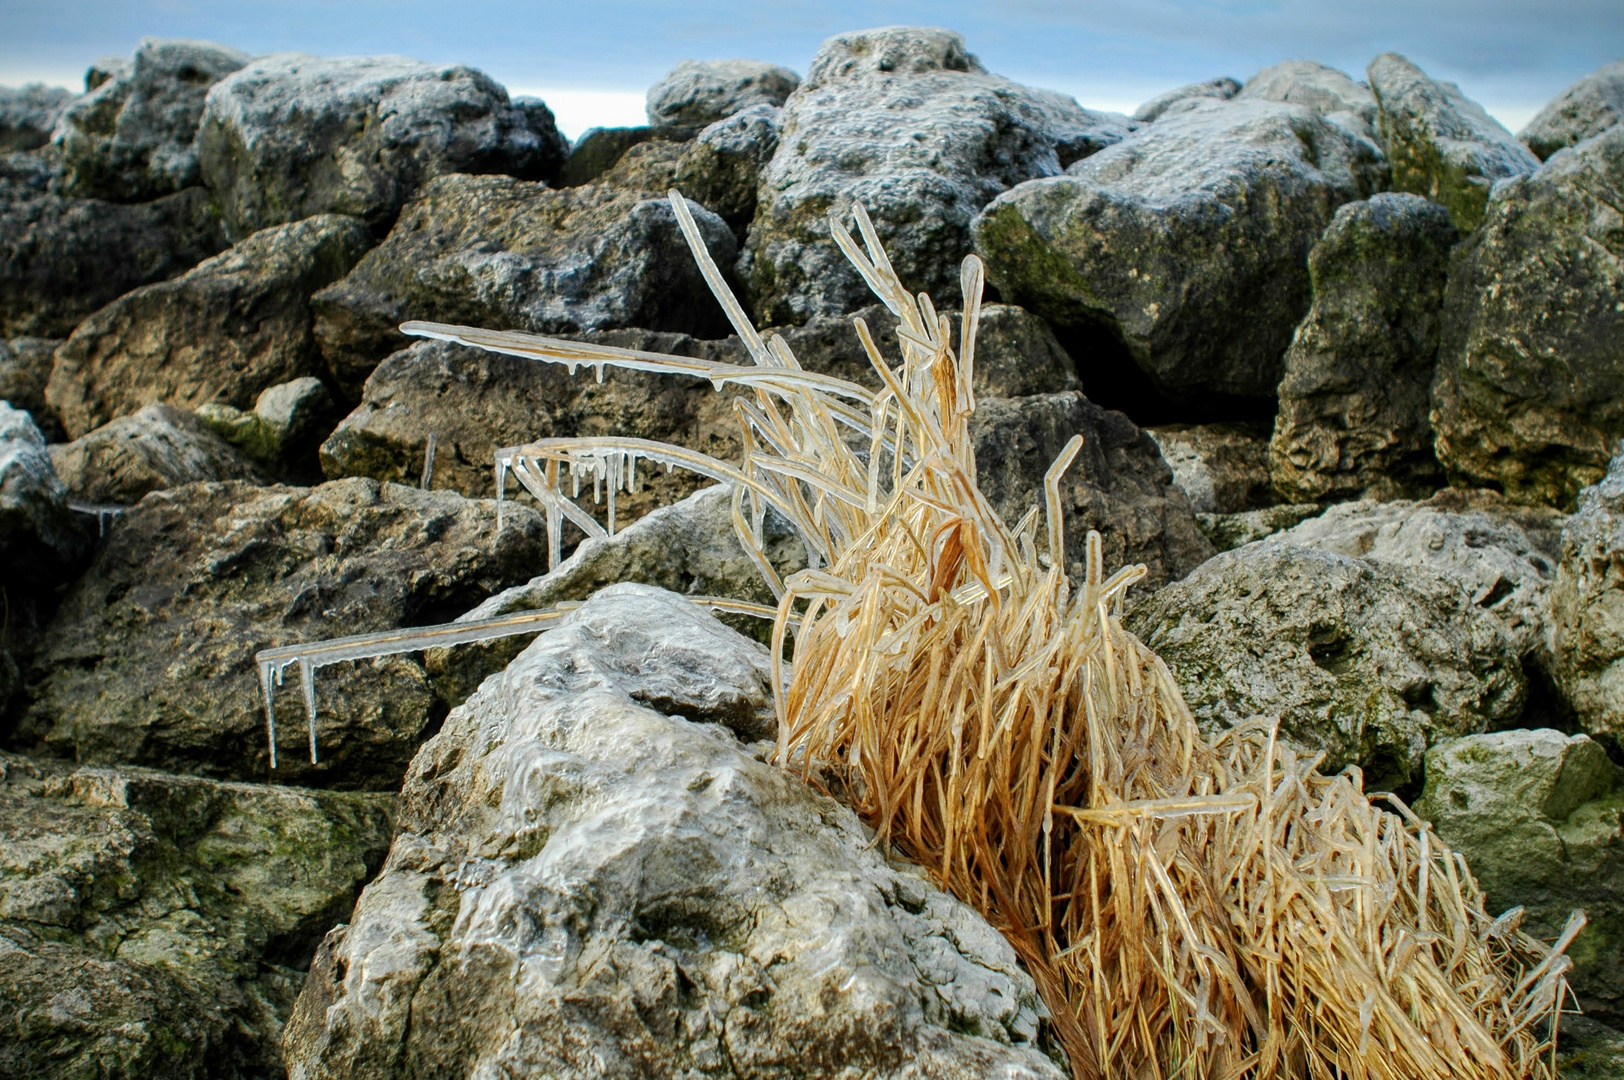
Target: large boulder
pixel 1177 100
pixel 1188 241
pixel 1587 608
pixel 1540 817
pixel 697 93
pixel 1440 143
pixel 150 658
pixel 62 258
pixel 157 448
pixel 27 115
pixel 722 167
pixel 283 429
pixel 292 135
pixel 595 878
pixel 1326 90
pixel 906 122
pixel 1354 401
pixel 154 925
pixel 38 534
pixel 1587 108
pixel 25 368
pixel 134 137
pixel 224 331
pixel 1529 391
pixel 1370 663
pixel 1221 468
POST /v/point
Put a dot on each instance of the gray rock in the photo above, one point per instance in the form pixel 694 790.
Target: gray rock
pixel 600 149
pixel 1539 816
pixel 284 428
pixel 27 115
pixel 1371 663
pixel 1221 468
pixel 25 368
pixel 722 167
pixel 1354 402
pixel 1587 608
pixel 1226 532
pixel 1529 391
pixel 1589 1050
pixel 1325 90
pixel 697 93
pixel 157 448
pixel 1187 241
pixel 1440 143
pixel 160 925
pixel 291 135
pixel 150 659
pixel 906 122
pixel 1176 101
pixel 676 906
pixel 39 538
pixel 1585 109
pixel 133 137
pixel 224 331
pixel 62 258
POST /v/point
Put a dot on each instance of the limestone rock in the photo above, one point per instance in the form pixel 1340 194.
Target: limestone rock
pixel 1226 532
pixel 600 149
pixel 1175 101
pixel 1221 468
pixel 1323 89
pixel 62 258
pixel 697 93
pixel 906 122
pixel 1587 607
pixel 133 137
pixel 1440 143
pixel 160 925
pixel 1588 107
pixel 284 428
pixel 676 906
pixel 1529 391
pixel 150 659
pixel 25 368
pixel 224 331
pixel 1354 402
pixel 1188 241
pixel 27 115
pixel 39 537
pixel 1540 818
pixel 292 135
pixel 722 167
pixel 157 448
pixel 1371 663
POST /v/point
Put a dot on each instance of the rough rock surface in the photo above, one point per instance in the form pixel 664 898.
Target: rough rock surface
pixel 1354 401
pixel 1589 1050
pixel 38 535
pixel 1175 101
pixel 1540 817
pixel 1587 608
pixel 697 93
pixel 27 115
pixel 1119 483
pixel 291 135
pixel 154 925
pixel 1529 392
pixel 133 137
pixel 1588 107
pixel 223 331
pixel 1371 663
pixel 1230 531
pixel 1187 241
pixel 284 428
pixel 1221 468
pixel 906 122
pixel 600 149
pixel 150 659
pixel 721 169
pixel 62 258
pixel 595 878
pixel 502 253
pixel 25 368
pixel 1440 143
pixel 1323 89
pixel 157 448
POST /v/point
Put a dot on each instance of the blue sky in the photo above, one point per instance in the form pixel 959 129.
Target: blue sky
pixel 592 59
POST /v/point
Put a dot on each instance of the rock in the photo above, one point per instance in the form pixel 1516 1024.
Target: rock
pixel 1585 109
pixel 1589 1051
pixel 284 428
pixel 1529 391
pixel 1587 608
pixel 40 542
pixel 1323 89
pixel 1440 143
pixel 906 122
pixel 1187 241
pixel 600 149
pixel 25 368
pixel 1540 819
pixel 1354 401
pixel 224 331
pixel 62 258
pixel 721 168
pixel 1226 532
pixel 158 448
pixel 1222 468
pixel 27 115
pixel 290 136
pixel 498 252
pixel 1119 483
pixel 676 906
pixel 150 659
pixel 134 136
pixel 160 925
pixel 1371 663
pixel 698 93
pixel 1175 101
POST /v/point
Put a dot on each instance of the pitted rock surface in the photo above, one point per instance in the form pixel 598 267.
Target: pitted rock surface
pixel 157 448
pixel 1585 109
pixel 697 93
pixel 1587 608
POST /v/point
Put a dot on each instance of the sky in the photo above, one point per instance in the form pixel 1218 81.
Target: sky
pixel 592 60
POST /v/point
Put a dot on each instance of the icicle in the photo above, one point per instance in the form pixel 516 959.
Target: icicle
pixel 555 519
pixel 599 367
pixel 575 476
pixel 270 709
pixel 428 462
pixel 631 473
pixel 307 675
pixel 612 482
pixel 501 489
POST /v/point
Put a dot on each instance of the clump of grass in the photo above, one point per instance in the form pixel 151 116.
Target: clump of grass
pixel 1190 907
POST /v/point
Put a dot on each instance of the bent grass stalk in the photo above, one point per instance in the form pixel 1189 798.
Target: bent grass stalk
pixel 1189 907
